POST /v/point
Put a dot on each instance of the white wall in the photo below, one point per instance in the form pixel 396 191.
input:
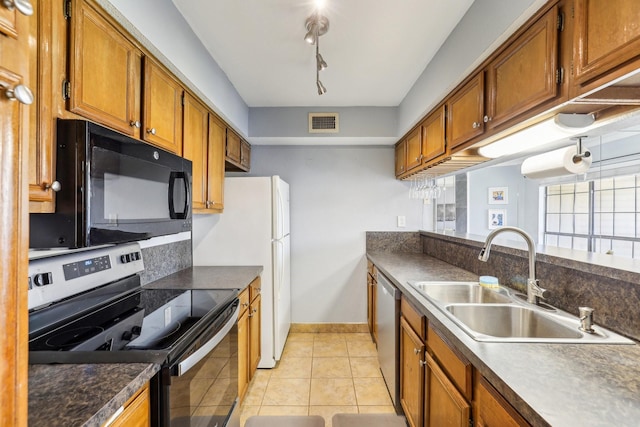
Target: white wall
pixel 337 193
pixel 522 208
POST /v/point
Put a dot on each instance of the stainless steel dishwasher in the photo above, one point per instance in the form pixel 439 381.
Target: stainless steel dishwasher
pixel 388 320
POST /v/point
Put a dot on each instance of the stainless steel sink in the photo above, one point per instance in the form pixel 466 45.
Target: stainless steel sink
pixel 461 292
pixel 497 315
pixel 510 321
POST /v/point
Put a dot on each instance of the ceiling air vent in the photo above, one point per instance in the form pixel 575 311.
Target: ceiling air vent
pixel 324 123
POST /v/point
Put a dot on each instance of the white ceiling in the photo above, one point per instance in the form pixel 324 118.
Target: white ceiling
pixel 375 49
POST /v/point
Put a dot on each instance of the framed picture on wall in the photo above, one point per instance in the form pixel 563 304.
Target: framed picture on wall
pixel 497 218
pixel 498 195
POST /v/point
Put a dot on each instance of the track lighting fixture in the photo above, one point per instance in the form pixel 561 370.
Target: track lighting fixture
pixel 316 26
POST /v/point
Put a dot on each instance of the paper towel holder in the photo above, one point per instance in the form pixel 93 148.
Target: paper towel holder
pixel 577 158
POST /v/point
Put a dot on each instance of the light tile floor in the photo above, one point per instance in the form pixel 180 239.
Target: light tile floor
pixel 320 374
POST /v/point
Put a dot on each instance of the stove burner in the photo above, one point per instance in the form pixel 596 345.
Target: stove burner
pixel 70 338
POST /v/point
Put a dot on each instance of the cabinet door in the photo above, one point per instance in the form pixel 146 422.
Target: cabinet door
pixel 243 354
pixel 233 146
pixel 401 158
pixel 433 136
pixel 466 111
pixel 136 412
pixel 445 406
pixel 41 116
pixel 215 183
pixel 414 149
pixel 104 72
pixel 8 21
pixel 606 36
pixel 195 142
pixel 162 108
pixel 370 302
pixel 254 335
pixel 411 374
pixel 245 155
pixel 491 409
pixel 523 76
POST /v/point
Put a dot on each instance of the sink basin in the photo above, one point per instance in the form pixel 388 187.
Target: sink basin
pixel 498 315
pixel 461 292
pixel 511 321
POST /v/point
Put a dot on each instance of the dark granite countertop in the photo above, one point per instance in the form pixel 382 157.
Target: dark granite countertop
pixel 83 394
pixel 209 277
pixel 549 384
pixel 72 392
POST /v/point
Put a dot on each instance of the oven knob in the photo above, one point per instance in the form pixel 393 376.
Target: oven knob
pixel 42 279
pixel 127 335
pixel 125 258
pixel 136 330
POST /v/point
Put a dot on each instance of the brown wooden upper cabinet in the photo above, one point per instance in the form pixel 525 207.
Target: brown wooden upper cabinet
pixel 162 108
pixel 196 143
pixel 526 73
pixel 237 153
pixel 434 143
pixel 107 84
pixel 606 38
pixel 215 165
pixel 104 72
pixel 401 157
pixel 466 112
pixel 414 149
pixel 203 144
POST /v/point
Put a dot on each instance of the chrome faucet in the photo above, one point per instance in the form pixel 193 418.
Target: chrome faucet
pixel 534 291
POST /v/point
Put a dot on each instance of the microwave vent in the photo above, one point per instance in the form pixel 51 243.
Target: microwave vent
pixel 324 123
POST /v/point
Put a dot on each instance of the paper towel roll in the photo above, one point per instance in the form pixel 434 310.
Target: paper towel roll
pixel 555 163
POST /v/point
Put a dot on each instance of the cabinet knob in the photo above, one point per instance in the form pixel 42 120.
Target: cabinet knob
pixel 152 131
pixel 476 125
pixel 487 119
pixel 135 124
pixel 245 304
pixel 24 6
pixel 55 186
pixel 20 93
pixel 416 351
pixel 422 363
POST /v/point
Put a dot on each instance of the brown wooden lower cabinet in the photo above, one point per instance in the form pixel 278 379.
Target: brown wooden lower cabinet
pixel 412 390
pixel 491 409
pixel 444 404
pixel 136 411
pixel 249 329
pixel 372 273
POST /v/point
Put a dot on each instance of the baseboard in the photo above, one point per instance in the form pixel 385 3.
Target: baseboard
pixel 329 327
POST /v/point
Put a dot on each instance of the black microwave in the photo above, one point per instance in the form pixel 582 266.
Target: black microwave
pixel 113 189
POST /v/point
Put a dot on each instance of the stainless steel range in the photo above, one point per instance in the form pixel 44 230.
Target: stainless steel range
pixel 88 307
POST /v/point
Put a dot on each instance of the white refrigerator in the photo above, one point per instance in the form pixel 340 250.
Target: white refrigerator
pixel 254 230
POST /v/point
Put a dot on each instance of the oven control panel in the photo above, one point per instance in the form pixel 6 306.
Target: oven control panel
pixel 86 266
pixel 60 275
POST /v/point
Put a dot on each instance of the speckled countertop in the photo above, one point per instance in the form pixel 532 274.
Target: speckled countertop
pixel 82 395
pixel 73 392
pixel 560 385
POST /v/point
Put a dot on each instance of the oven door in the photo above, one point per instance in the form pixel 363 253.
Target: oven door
pixel 200 388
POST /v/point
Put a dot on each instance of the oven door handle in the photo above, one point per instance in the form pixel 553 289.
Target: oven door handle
pixel 201 353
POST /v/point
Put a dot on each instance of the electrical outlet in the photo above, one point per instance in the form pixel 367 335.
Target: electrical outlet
pixel 402 221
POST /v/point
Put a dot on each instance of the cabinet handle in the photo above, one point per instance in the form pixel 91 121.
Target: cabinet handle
pixel 152 131
pixel 23 6
pixel 55 186
pixel 487 119
pixel 135 124
pixel 20 93
pixel 476 125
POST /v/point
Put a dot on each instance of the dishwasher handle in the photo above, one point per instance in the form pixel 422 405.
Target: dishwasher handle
pixel 388 288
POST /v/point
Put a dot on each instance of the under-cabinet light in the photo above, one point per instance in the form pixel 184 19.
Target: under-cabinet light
pixel 559 127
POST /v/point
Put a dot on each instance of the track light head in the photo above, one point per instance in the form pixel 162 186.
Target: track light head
pixel 321 89
pixel 321 62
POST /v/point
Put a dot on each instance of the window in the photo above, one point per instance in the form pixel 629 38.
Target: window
pixel 597 216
